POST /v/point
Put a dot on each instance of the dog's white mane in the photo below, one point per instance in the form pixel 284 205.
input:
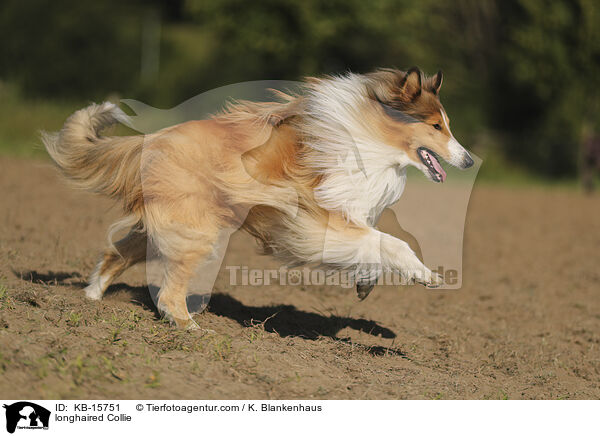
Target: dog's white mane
pixel 362 176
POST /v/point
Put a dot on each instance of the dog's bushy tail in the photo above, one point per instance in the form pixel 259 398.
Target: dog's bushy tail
pixel 106 165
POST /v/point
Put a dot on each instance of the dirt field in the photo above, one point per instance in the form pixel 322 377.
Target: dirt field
pixel 526 323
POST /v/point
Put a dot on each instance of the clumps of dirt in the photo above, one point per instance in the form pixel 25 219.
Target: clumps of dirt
pixel 30 297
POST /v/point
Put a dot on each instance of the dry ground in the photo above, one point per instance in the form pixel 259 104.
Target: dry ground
pixel 526 323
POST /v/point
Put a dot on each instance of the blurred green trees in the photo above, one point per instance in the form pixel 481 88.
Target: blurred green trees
pixel 521 75
pixel 68 49
pixel 547 77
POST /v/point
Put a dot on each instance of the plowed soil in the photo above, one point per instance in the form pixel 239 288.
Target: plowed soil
pixel 526 323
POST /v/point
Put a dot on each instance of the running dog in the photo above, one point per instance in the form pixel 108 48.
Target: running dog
pixel 308 175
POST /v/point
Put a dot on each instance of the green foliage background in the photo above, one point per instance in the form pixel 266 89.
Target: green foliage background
pixel 521 76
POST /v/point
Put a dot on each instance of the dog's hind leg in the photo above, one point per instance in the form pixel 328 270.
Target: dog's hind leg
pixel 172 297
pixel 116 259
pixel 185 236
pixel 180 266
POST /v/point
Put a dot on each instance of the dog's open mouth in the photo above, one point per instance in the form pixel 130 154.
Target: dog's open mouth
pixel 432 163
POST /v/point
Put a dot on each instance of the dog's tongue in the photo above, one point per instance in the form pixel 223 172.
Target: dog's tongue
pixel 437 166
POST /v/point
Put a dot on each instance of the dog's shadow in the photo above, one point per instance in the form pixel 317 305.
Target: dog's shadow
pixel 139 295
pixel 283 320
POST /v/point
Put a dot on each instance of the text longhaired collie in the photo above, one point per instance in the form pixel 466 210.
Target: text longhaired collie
pixel 308 176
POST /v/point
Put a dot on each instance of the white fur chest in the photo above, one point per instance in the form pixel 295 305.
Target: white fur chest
pixel 361 194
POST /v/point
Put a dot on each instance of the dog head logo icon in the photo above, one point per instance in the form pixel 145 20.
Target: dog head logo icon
pixel 26 415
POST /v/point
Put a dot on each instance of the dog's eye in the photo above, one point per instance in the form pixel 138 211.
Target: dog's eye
pixel 437 127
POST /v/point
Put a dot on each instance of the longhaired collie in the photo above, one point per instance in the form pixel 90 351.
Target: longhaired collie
pixel 342 147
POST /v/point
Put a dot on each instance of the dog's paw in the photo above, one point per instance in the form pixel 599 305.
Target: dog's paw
pixel 431 280
pixel 93 292
pixel 367 276
pixel 423 276
pixel 192 326
pixel 185 323
pixel 364 289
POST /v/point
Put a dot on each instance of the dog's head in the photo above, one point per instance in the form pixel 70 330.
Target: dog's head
pixel 405 108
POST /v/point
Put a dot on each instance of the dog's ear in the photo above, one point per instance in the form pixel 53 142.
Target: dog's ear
pixel 436 82
pixel 383 84
pixel 411 84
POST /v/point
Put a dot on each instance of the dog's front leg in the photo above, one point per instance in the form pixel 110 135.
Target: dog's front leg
pixel 369 252
pixel 396 255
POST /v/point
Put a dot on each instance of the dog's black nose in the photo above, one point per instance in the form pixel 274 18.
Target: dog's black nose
pixel 467 161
